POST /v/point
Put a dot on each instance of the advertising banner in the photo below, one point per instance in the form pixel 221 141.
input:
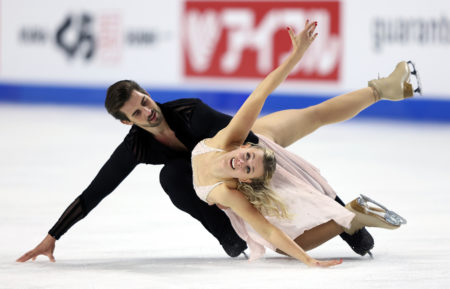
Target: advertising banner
pixel 222 45
pixel 89 42
pixel 380 33
pixel 248 39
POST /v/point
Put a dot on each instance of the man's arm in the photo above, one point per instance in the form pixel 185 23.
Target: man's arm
pixel 113 172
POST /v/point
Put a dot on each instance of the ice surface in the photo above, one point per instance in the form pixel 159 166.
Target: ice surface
pixel 136 238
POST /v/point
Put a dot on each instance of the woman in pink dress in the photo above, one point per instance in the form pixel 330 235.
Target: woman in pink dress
pixel 274 198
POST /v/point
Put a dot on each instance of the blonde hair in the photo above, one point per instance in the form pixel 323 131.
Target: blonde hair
pixel 259 193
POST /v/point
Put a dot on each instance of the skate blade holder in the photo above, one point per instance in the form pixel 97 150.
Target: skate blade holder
pixel 415 73
pixel 389 216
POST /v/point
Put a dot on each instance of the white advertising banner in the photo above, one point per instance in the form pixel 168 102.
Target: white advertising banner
pixel 379 33
pixel 239 41
pixel 222 44
pixel 89 42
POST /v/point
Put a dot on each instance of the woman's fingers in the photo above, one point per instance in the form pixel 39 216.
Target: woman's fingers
pixel 291 34
pixel 311 29
pixel 290 31
pixel 313 25
pixel 304 38
pixel 328 263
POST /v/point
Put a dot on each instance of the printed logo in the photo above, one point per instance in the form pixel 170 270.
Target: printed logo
pixel 90 37
pixel 81 26
pixel 249 39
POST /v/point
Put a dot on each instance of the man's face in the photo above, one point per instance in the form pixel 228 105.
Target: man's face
pixel 142 110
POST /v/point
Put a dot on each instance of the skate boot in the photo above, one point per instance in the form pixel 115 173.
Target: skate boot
pixel 397 85
pixel 369 216
pixel 361 241
pixel 233 245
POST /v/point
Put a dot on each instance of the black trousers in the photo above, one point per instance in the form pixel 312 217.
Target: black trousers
pixel 176 180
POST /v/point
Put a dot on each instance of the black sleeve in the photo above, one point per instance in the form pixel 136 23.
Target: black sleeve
pixel 113 172
pixel 207 121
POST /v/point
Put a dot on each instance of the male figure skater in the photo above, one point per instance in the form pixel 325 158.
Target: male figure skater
pixel 162 134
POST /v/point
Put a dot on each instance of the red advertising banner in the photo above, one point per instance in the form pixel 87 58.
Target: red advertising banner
pixel 248 39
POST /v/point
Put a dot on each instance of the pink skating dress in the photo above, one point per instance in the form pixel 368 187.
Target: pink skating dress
pixel 307 196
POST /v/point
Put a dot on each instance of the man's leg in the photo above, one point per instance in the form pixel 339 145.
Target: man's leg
pixel 176 180
pixel 316 236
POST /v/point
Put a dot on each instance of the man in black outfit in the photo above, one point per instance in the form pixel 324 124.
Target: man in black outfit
pixel 162 134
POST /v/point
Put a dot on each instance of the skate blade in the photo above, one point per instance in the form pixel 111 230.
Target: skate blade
pixel 389 216
pixel 417 84
pixel 370 217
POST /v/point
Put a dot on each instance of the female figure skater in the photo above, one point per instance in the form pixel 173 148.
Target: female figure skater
pixel 290 209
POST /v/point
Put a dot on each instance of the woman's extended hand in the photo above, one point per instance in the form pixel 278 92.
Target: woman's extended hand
pixel 316 263
pixel 303 40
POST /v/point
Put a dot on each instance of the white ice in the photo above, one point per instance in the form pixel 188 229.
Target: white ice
pixel 136 238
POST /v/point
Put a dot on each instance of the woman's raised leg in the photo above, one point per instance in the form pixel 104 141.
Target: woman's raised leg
pixel 287 126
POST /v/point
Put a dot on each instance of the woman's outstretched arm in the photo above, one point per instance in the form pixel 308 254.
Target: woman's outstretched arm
pixel 241 206
pixel 239 127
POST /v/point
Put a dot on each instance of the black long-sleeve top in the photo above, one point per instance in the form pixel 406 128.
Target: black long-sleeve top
pixel 190 119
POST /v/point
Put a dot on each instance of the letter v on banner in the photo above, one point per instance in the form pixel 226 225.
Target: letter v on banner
pixel 240 39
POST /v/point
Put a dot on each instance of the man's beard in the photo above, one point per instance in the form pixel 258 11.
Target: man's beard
pixel 158 119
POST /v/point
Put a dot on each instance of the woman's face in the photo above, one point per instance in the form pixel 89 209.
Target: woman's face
pixel 246 162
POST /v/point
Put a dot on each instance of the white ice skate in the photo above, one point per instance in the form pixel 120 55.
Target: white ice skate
pixel 397 85
pixel 375 216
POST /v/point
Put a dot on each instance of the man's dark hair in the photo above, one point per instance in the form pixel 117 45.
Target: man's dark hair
pixel 118 94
